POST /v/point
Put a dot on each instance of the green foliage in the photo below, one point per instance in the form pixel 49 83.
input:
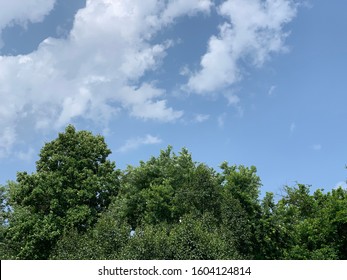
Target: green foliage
pixel 317 223
pixel 166 188
pixel 149 242
pixel 73 184
pixel 77 205
pixel 158 200
pixel 191 239
pixel 105 241
pixel 194 239
pixel 241 210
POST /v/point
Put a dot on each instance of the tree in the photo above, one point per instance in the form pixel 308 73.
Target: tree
pixel 74 182
pixel 151 191
pixel 200 194
pixel 271 233
pixel 241 209
pixel 77 205
pixel 315 225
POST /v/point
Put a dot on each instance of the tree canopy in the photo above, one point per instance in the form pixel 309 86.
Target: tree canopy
pixel 73 184
pixel 77 205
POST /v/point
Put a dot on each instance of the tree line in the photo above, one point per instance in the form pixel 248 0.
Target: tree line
pixel 78 205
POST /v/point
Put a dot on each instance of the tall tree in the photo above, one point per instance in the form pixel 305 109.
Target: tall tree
pixel 74 182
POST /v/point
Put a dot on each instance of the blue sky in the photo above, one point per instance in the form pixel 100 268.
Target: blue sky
pixel 253 82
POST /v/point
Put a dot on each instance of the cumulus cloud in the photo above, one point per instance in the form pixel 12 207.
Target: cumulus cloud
pixel 135 143
pixel 253 30
pixel 142 104
pixel 95 72
pixel 23 12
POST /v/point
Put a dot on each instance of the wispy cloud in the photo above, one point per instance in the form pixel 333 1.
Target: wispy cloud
pixel 23 12
pixel 135 143
pixel 232 98
pixel 199 118
pixel 253 30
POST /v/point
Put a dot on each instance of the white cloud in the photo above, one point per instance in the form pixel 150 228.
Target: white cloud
pixel 143 103
pixel 178 8
pixel 218 66
pixel 252 32
pixel 201 118
pixel 95 72
pixel 135 143
pixel 21 12
pixel 232 98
